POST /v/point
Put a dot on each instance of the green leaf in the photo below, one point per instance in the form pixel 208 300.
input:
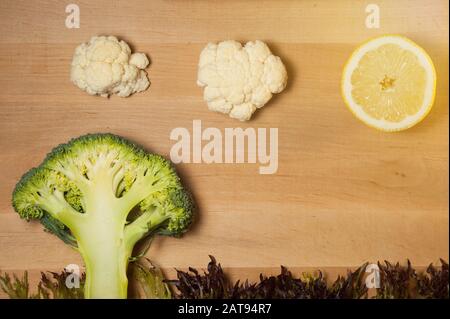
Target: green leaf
pixel 147 281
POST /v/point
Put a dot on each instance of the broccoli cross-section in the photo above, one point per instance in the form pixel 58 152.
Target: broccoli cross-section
pixel 101 194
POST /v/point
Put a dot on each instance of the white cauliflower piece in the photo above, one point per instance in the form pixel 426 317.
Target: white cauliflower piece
pixel 238 80
pixel 105 66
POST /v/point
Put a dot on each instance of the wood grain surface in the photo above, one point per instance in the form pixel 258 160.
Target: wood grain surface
pixel 343 194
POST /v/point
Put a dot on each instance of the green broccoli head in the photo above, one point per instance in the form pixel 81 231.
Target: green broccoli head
pixel 102 190
pixel 176 205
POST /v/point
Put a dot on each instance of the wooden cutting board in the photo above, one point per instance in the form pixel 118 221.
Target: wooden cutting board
pixel 343 193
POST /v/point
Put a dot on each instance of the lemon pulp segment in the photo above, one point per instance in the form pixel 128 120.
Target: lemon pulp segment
pixel 389 83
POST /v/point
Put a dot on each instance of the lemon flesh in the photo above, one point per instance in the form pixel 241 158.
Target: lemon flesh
pixel 389 83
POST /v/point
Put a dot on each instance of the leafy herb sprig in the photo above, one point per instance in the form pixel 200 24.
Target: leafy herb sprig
pixel 396 282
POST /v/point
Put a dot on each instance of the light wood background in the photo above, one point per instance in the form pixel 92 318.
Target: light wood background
pixel 343 194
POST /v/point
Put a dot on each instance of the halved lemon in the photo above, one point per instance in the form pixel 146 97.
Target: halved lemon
pixel 389 83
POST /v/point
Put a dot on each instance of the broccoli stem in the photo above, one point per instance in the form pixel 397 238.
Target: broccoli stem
pixel 106 274
pixel 142 225
pixel 106 246
pixel 100 238
pixel 105 254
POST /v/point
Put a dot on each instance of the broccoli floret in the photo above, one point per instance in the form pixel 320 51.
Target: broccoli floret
pixel 101 194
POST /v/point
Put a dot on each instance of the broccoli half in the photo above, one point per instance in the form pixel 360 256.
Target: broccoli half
pixel 101 194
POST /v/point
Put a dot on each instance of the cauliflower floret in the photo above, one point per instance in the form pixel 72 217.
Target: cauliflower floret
pixel 238 80
pixel 105 66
